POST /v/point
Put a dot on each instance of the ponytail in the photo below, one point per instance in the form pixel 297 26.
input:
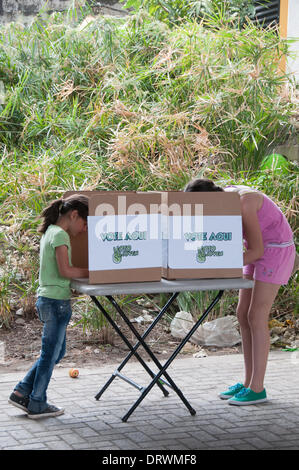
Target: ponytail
pixel 50 215
pixel 62 206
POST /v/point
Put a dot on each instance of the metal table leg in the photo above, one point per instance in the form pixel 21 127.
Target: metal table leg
pixel 156 378
pixel 172 357
pixel 135 347
pixel 119 332
pixel 151 354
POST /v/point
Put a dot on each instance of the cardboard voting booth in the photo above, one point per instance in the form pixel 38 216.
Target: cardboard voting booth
pixel 79 243
pixel 124 239
pixel 202 235
pixel 143 236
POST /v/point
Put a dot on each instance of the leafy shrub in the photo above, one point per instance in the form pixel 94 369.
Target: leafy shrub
pixel 176 11
pixel 125 104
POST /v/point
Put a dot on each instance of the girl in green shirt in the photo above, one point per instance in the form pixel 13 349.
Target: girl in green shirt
pixel 62 218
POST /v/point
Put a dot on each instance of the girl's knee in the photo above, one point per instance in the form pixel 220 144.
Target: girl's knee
pixel 242 315
pixel 257 320
pixel 52 350
pixel 243 307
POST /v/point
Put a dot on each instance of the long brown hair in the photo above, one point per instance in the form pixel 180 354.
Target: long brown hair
pixel 62 206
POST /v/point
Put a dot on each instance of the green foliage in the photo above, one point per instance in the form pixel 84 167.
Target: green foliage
pixel 131 103
pixel 92 320
pixel 197 302
pixel 120 90
pixel 176 11
pixel 282 188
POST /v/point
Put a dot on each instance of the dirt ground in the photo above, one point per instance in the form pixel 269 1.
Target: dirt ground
pixel 21 344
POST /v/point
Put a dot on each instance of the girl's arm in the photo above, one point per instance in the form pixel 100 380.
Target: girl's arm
pixel 251 228
pixel 64 267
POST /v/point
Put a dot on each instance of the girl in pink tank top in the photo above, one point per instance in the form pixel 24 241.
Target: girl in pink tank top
pixel 268 260
pixel 276 264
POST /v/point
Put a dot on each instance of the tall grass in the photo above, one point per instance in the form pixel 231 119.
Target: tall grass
pixel 130 89
pixel 124 104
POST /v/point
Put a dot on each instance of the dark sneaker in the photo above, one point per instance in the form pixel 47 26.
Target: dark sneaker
pixel 51 410
pixel 19 402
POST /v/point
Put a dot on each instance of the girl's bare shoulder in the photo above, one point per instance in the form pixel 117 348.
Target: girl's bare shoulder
pixel 251 200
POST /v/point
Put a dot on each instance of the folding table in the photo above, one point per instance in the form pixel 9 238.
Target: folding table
pixel 164 286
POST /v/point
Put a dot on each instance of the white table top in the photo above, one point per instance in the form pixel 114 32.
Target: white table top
pixel 83 287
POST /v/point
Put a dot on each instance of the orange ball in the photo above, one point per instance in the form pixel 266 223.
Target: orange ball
pixel 73 373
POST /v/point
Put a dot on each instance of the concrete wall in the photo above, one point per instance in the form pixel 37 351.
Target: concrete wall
pixel 25 10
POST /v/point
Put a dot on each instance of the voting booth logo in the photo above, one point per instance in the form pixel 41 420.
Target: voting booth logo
pixel 121 251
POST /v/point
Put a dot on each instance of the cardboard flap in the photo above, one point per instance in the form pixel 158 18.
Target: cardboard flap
pixel 125 204
pixel 214 203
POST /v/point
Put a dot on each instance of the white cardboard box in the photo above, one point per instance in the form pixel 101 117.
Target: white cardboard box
pixel 202 235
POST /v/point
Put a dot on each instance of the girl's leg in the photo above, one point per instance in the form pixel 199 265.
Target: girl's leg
pixel 55 315
pixel 24 388
pixel 242 314
pixel 62 350
pixel 263 296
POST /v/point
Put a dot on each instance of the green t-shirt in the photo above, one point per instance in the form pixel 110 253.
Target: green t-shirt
pixel 51 283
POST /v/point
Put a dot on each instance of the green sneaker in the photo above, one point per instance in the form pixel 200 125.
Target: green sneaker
pixel 231 391
pixel 248 397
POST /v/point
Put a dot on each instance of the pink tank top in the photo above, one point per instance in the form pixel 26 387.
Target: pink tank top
pixel 273 223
